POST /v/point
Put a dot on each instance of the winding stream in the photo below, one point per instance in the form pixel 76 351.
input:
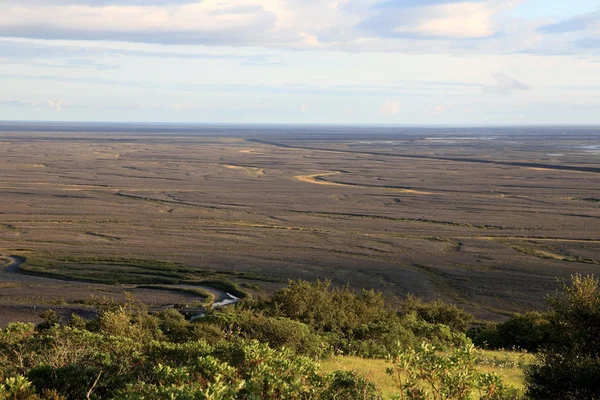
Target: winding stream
pixel 221 298
pixel 14 262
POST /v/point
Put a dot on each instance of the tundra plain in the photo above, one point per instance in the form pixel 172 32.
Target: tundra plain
pixel 485 218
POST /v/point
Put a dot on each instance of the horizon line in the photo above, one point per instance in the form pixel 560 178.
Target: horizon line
pixel 298 124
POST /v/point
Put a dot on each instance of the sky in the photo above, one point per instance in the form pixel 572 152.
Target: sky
pixel 392 62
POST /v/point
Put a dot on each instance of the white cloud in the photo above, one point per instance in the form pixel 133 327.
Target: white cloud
pixel 389 108
pixel 504 84
pixel 458 20
pixel 310 40
pixel 205 21
pixel 439 109
pixel 16 103
pixel 214 61
pixel 56 104
pixel 349 25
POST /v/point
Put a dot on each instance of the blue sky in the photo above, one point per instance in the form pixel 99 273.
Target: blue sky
pixel 402 62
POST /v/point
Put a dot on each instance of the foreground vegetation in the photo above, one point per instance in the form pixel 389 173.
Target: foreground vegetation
pixel 270 348
pixel 509 365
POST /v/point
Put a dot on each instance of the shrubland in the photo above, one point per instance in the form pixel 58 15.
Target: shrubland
pixel 568 365
pixel 270 348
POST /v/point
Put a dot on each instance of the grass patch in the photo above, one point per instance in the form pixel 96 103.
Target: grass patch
pixel 132 262
pixel 509 365
pixel 208 297
pixel 160 201
pixel 110 270
pixel 408 220
pixel 152 274
pixel 252 286
pixel 105 270
pixel 226 286
pixel 9 227
pixel 548 253
pixel 10 285
pixel 590 199
pixel 111 278
pixel 251 276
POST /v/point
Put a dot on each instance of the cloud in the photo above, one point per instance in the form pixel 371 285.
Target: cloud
pixel 100 3
pixel 56 104
pixel 434 19
pixel 15 103
pixel 84 54
pixel 504 85
pixel 207 22
pixel 411 26
pixel 406 88
pixel 16 52
pixel 389 108
pixel 51 104
pixel 581 32
pixel 440 109
pixel 578 23
pixel 588 42
pixel 356 25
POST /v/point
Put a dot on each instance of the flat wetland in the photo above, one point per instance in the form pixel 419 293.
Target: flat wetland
pixel 484 218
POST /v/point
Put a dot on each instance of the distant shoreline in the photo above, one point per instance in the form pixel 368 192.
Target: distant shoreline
pixel 269 129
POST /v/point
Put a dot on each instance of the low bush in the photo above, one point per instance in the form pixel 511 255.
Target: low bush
pixel 425 373
pixel 278 332
pixel 360 323
pixel 69 363
pixel 568 364
pixel 438 312
pixel 347 385
pixel 527 331
pixel 260 349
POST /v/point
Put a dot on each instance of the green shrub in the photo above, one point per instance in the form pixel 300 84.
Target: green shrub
pixel 50 319
pixel 266 348
pixel 328 309
pixel 346 385
pixel 178 330
pixel 438 312
pixel 380 339
pixel 361 323
pixel 16 348
pixel 527 331
pixel 568 365
pixel 64 362
pixel 277 332
pixel 17 388
pixel 208 332
pixel 174 325
pixel 72 381
pixel 130 324
pixel 425 373
pixel 438 335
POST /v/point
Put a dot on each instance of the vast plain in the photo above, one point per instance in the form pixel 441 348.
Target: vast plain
pixel 485 218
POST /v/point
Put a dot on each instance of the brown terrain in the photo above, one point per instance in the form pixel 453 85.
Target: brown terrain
pixel 485 220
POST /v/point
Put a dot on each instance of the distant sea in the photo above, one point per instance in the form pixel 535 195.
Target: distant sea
pixel 323 132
